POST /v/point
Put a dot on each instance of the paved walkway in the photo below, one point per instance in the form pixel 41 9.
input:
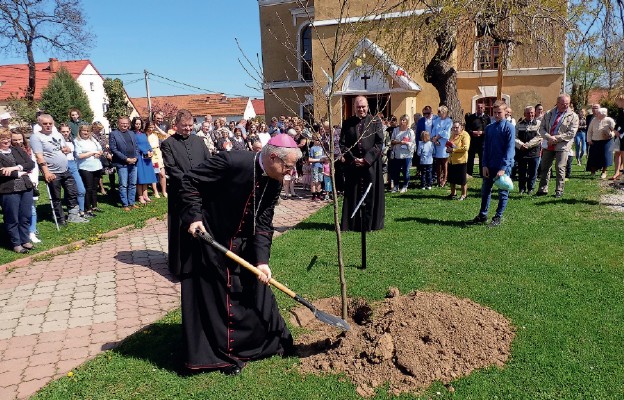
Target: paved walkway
pixel 57 314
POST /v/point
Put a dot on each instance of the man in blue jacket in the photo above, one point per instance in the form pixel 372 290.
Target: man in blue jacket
pixel 498 158
pixel 123 145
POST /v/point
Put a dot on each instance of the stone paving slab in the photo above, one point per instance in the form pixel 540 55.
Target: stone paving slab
pixel 57 314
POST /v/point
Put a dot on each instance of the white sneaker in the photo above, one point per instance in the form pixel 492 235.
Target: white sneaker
pixel 34 238
pixel 428 187
pixel 403 190
pixel 395 190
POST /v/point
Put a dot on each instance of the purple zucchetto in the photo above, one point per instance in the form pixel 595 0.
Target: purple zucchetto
pixel 282 140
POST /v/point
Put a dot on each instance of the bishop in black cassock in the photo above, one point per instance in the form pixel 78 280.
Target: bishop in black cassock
pixel 228 315
pixel 361 143
pixel 181 152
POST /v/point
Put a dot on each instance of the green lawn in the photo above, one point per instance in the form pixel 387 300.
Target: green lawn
pixel 554 268
pixel 111 217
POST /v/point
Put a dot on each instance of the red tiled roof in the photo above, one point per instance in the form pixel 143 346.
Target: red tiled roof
pixel 14 78
pixel 597 95
pixel 258 105
pixel 198 104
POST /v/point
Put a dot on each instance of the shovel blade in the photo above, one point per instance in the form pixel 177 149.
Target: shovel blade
pixel 331 320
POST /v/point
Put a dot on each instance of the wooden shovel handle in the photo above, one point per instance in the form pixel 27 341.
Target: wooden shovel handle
pixel 257 272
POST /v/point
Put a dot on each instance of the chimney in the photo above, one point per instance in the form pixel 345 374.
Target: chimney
pixel 54 65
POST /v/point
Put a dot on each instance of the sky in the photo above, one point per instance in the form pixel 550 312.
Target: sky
pixel 192 42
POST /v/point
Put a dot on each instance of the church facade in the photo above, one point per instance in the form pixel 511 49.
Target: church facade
pixel 298 40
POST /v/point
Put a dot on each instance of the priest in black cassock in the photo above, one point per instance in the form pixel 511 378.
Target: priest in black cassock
pixel 181 152
pixel 361 143
pixel 230 316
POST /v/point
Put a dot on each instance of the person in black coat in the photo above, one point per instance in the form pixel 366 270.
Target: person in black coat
pixel 229 316
pixel 361 142
pixel 181 152
pixel 16 192
pixel 475 126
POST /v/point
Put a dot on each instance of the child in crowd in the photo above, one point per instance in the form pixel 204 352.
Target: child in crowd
pixel 288 185
pixel 306 178
pixel 316 153
pixel 425 152
pixel 327 178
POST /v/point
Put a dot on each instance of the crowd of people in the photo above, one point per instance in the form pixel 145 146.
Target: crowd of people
pixel 74 156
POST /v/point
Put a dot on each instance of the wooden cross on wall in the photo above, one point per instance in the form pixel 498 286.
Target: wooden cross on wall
pixel 365 78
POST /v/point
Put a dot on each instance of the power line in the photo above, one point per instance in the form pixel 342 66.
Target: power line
pixel 198 88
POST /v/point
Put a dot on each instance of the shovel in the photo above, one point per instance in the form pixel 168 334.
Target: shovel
pixel 320 315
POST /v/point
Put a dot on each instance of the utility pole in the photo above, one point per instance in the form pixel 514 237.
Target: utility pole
pixel 149 100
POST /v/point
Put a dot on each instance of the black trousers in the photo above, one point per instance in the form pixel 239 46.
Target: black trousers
pixel 476 147
pixel 66 181
pixel 91 180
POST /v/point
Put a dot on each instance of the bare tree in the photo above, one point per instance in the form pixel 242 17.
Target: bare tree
pixel 595 51
pixel 51 25
pixel 340 47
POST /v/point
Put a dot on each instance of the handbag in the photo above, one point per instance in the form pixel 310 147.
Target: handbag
pixel 106 163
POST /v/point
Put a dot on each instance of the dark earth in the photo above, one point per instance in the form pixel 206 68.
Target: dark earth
pixel 408 341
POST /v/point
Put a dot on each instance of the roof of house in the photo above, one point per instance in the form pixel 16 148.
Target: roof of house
pixel 258 105
pixel 14 78
pixel 200 104
pixel 596 95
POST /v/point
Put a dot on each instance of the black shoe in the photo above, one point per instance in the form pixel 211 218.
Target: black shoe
pixel 232 370
pixel 540 193
pixel 479 219
pixel 496 221
pixel 451 196
pixel 558 195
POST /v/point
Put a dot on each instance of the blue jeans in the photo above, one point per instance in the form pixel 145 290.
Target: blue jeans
pixel 486 194
pixel 73 168
pixel 425 175
pixel 401 166
pixel 580 144
pixel 33 219
pixel 16 208
pixel 327 183
pixel 127 184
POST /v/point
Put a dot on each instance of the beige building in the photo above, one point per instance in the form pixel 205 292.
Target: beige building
pixel 297 73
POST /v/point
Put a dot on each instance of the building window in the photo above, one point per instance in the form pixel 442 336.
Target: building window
pixel 305 58
pixel 308 114
pixel 104 107
pixel 489 104
pixel 488 49
pixel 92 86
pixel 489 54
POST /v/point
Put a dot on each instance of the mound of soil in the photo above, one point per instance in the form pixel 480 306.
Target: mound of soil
pixel 408 341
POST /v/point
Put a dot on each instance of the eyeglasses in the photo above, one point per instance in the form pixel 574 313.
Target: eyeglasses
pixel 47 123
pixel 427 113
pixel 288 167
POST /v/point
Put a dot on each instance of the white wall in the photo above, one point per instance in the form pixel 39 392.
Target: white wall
pixel 93 85
pixel 249 112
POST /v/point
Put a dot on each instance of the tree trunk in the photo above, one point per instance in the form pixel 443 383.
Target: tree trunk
pixel 336 209
pixel 32 74
pixel 442 75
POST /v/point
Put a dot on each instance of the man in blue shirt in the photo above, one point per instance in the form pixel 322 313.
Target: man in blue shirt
pixel 498 158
